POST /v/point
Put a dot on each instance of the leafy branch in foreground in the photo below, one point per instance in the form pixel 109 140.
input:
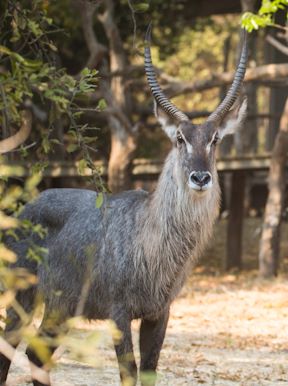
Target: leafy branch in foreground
pixel 265 16
pixel 31 78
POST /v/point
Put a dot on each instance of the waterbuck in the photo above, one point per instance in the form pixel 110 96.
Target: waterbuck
pixel 136 250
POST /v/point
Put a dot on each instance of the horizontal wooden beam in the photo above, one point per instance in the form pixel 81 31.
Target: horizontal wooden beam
pixel 141 167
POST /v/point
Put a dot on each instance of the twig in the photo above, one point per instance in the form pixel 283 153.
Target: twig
pixel 261 73
pixel 22 134
pixel 25 147
pixel 134 24
pixel 9 352
pixel 282 27
pixel 275 43
pixel 96 49
pixel 5 113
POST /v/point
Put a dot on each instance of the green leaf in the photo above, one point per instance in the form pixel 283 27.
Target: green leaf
pixel 82 165
pixel 46 144
pixel 35 28
pixel 39 167
pixel 72 133
pixel 89 139
pixel 15 38
pixel 94 72
pixel 52 47
pixel 141 7
pixel 99 200
pixel 85 71
pixel 49 20
pixel 41 347
pixel 32 181
pixel 35 64
pixel 55 141
pixel 78 114
pixel 102 104
pixel 72 147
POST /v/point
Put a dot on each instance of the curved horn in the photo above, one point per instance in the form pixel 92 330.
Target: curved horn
pixel 157 93
pixel 234 90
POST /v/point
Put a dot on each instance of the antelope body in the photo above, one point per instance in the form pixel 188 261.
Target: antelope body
pixel 135 251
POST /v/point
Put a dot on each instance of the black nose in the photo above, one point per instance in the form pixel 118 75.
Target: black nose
pixel 200 178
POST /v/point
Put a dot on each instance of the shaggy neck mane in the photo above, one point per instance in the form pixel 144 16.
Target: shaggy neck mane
pixel 176 224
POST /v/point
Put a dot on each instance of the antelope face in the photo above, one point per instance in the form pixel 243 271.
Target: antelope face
pixel 195 146
pixel 196 155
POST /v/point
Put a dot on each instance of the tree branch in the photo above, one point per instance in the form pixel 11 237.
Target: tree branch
pixel 117 54
pixel 267 72
pixel 96 49
pixel 275 43
pixel 270 238
pixel 9 351
pixel 11 143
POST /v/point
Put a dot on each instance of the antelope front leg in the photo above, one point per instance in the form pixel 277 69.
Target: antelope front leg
pixel 152 335
pixel 124 350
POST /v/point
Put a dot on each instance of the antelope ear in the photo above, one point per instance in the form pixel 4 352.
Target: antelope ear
pixel 233 120
pixel 168 124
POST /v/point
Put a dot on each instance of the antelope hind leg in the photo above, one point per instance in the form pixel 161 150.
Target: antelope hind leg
pixel 124 350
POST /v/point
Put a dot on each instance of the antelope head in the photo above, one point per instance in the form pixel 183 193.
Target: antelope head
pixel 195 144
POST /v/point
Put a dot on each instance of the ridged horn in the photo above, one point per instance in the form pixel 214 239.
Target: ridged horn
pixel 234 90
pixel 157 93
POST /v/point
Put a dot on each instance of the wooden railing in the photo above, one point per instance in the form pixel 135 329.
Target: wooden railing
pixel 141 167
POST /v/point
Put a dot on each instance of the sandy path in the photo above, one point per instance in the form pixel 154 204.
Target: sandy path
pixel 222 331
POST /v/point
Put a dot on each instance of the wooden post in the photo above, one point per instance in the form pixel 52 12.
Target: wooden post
pixel 235 221
pixel 270 238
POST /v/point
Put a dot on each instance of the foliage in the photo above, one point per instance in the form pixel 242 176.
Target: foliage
pixel 265 16
pixel 29 73
pixel 31 77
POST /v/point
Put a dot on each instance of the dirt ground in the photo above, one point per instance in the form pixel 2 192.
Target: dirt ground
pixel 224 329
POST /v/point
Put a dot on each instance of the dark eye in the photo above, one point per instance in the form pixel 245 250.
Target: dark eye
pixel 215 140
pixel 180 139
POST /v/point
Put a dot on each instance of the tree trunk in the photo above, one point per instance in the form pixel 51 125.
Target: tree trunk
pixel 120 162
pixel 277 94
pixel 116 94
pixel 246 140
pixel 237 198
pixel 270 238
pixel 123 134
pixel 249 136
pixel 235 221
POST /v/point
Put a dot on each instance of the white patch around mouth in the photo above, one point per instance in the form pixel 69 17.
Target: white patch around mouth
pixel 203 188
